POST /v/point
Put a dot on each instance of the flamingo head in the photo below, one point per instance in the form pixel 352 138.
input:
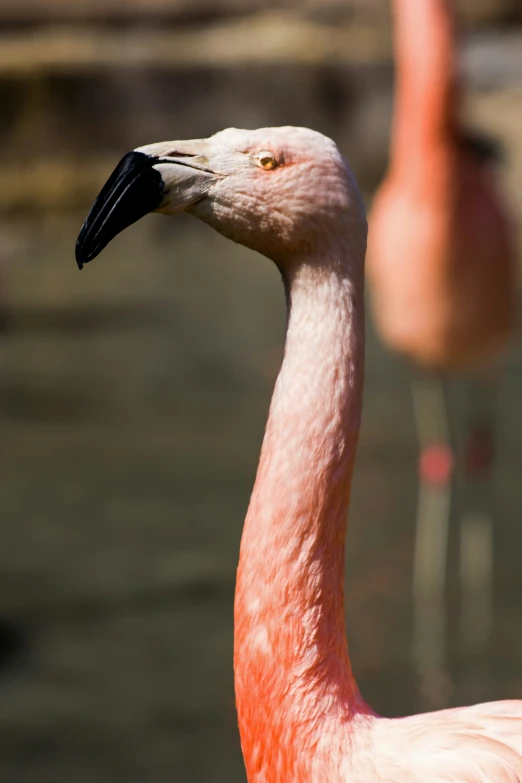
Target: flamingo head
pixel 280 191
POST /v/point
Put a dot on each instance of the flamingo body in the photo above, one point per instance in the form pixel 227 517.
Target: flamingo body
pixel 442 262
pixel 441 250
pixel 288 193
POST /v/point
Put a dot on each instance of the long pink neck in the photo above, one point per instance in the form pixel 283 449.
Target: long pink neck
pixel 426 88
pixel 292 668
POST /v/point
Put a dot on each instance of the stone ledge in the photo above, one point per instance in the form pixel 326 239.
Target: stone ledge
pixel 31 12
pixel 266 38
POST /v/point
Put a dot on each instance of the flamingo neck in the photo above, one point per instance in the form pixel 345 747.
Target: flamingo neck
pixel 292 670
pixel 426 84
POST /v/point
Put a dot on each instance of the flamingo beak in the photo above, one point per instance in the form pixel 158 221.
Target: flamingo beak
pixel 143 181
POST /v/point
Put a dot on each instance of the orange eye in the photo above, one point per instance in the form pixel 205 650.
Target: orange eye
pixel 265 160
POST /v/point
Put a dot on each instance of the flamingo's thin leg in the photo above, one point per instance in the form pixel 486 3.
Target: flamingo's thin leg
pixel 476 523
pixel 431 539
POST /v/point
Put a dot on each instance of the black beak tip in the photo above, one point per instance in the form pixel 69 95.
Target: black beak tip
pixel 134 188
pixel 81 253
pixel 79 257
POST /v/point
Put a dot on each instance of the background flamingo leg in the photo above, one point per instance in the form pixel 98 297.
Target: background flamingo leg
pixel 476 519
pixel 431 539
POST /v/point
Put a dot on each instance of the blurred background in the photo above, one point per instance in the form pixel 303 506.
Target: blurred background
pixel 133 396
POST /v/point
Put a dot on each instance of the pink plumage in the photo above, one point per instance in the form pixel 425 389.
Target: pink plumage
pixel 288 193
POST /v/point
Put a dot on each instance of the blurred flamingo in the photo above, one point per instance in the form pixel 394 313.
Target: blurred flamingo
pixel 441 264
pixel 288 193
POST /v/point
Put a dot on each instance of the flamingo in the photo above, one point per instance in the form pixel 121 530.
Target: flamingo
pixel 441 263
pixel 288 193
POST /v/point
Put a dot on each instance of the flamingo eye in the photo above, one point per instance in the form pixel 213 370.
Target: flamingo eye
pixel 265 160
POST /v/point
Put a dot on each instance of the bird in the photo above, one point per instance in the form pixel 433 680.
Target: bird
pixel 442 273
pixel 289 194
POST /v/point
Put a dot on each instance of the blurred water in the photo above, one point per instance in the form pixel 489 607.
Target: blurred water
pixel 132 400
